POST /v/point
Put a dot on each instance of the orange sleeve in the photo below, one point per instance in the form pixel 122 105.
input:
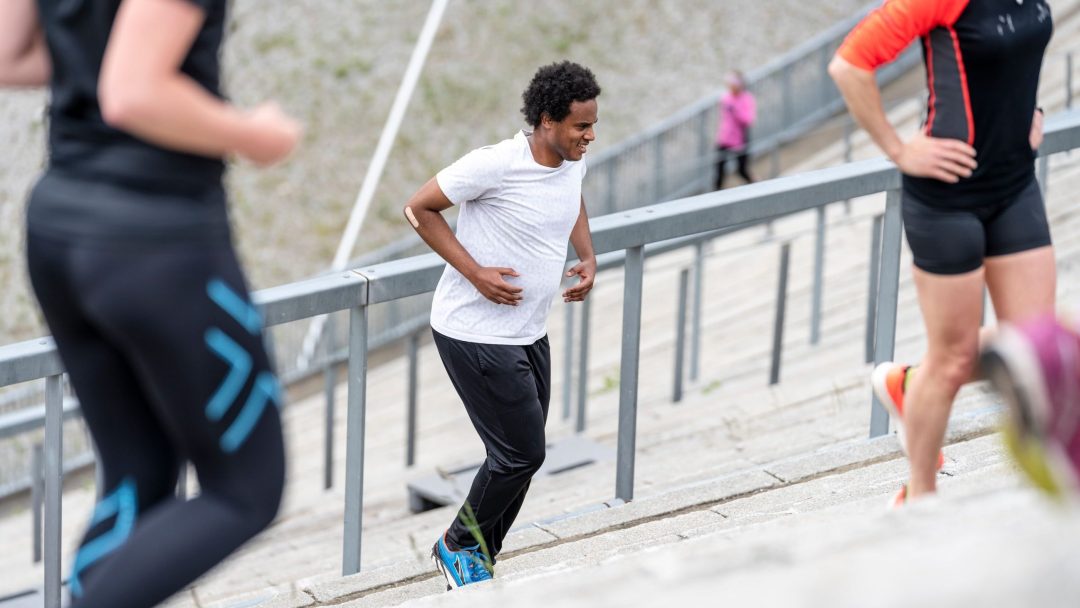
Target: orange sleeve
pixel 889 29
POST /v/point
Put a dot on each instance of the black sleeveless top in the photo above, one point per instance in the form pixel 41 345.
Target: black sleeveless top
pixel 80 143
pixel 105 183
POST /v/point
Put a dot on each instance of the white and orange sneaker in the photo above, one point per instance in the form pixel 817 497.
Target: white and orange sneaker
pixel 889 381
pixel 899 499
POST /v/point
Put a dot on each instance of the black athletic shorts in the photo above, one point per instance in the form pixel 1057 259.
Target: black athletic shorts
pixel 950 240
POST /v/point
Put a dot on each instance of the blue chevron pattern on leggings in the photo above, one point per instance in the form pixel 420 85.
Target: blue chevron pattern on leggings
pixel 235 305
pixel 240 368
pixel 124 504
pixel 266 389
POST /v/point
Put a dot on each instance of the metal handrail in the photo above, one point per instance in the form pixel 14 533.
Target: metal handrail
pixel 631 230
pixel 692 215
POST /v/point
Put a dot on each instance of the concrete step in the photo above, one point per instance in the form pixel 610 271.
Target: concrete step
pixel 738 509
pixel 986 541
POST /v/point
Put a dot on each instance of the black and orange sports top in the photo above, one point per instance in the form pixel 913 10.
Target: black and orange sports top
pixel 983 59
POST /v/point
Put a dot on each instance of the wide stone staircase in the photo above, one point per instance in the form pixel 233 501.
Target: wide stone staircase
pixel 744 493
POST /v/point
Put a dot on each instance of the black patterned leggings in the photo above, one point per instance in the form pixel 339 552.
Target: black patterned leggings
pixel 165 353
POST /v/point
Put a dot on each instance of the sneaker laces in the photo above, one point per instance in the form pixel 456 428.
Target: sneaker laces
pixel 477 565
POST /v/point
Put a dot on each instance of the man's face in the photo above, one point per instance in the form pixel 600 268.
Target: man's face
pixel 571 135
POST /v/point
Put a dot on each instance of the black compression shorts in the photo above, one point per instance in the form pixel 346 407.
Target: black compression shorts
pixel 947 240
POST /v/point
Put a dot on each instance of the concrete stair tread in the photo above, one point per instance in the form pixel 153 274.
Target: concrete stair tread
pixel 743 525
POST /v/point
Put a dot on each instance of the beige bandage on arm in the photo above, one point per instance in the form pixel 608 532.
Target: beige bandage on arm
pixel 411 217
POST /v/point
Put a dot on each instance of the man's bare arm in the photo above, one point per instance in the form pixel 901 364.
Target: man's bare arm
pixel 424 212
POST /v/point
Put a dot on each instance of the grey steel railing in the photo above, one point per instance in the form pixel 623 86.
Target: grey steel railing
pixel 629 231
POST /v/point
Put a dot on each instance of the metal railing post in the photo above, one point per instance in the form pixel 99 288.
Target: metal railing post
pixel 568 362
pixel 695 332
pixel 583 364
pixel 787 97
pixel 271 346
pixel 849 132
pixel 705 169
pixel 819 277
pixel 1044 174
pixel 1068 80
pixel 410 422
pixel 872 290
pixel 54 481
pixel 37 488
pixel 824 81
pixel 680 334
pixel 330 382
pixel 658 168
pixel 610 199
pixel 849 128
pixel 888 291
pixel 781 305
pixel 628 372
pixel 354 443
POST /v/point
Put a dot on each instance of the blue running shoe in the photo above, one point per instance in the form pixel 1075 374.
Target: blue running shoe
pixel 460 568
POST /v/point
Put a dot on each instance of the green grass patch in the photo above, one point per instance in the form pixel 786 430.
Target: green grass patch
pixel 610 384
pixel 712 386
pixel 273 42
pixel 353 67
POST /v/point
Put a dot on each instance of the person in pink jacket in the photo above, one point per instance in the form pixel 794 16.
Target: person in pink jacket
pixel 738 111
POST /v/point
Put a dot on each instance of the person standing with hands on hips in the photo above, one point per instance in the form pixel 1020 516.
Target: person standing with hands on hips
pixel 973 212
pixel 131 258
pixel 520 204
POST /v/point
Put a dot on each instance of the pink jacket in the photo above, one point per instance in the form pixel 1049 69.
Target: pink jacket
pixel 737 114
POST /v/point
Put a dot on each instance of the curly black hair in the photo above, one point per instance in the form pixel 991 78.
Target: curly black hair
pixel 554 88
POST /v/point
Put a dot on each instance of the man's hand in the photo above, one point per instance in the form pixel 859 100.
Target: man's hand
pixel 946 160
pixel 586 270
pixel 1036 137
pixel 490 283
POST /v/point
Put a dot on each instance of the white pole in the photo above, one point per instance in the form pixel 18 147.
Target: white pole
pixel 389 134
pixel 378 162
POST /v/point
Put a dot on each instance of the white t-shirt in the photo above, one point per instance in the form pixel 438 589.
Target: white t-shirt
pixel 515 213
